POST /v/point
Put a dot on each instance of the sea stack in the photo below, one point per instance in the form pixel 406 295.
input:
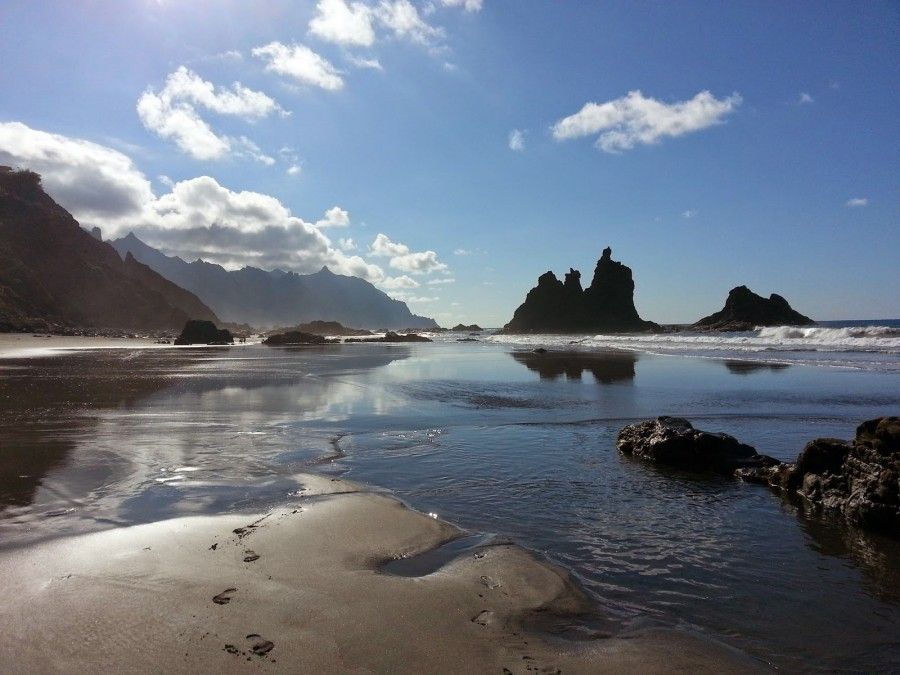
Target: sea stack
pixel 607 305
pixel 744 310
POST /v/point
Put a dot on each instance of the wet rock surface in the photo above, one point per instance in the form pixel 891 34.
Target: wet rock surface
pixel 858 479
pixel 673 441
pixel 197 332
pixel 294 337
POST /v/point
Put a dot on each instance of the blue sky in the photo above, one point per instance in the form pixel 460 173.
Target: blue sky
pixel 375 137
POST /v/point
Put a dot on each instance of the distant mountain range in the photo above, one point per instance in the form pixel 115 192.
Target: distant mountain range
pixel 55 274
pixel 266 299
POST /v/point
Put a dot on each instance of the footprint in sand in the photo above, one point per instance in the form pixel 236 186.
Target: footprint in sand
pixel 483 618
pixel 224 597
pixel 250 556
pixel 259 645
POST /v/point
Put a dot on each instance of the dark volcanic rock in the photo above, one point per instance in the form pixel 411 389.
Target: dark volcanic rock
pixel 674 441
pixel 858 479
pixel 322 328
pixel 607 305
pixel 462 328
pixel 294 337
pixel 744 310
pixel 198 332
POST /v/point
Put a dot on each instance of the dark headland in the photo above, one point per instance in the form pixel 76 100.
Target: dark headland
pixel 607 305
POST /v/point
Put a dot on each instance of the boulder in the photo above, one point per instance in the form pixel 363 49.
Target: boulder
pixel 607 305
pixel 859 479
pixel 294 337
pixel 462 328
pixel 198 332
pixel 391 336
pixel 744 310
pixel 673 441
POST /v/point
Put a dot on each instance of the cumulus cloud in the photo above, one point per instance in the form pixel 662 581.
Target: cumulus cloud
pixel 635 119
pixel 403 259
pixel 300 63
pixel 402 281
pixel 293 170
pixel 468 5
pixel 517 140
pixel 347 244
pixel 171 113
pixel 334 217
pixel 857 202
pixel 805 98
pixel 343 23
pixel 94 182
pixel 403 20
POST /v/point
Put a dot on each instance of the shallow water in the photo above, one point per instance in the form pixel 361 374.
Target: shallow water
pixel 510 444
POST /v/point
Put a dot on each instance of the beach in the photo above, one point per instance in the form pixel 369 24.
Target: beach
pixel 132 464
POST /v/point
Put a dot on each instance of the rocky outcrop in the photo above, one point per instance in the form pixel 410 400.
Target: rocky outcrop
pixel 674 441
pixel 858 479
pixel 607 305
pixel 323 328
pixel 391 336
pixel 462 328
pixel 744 310
pixel 197 332
pixel 55 274
pixel 294 337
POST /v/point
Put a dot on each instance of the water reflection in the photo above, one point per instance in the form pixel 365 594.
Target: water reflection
pixel 606 367
pixel 748 367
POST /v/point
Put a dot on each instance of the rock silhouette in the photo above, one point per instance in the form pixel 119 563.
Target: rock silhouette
pixel 607 305
pixel 197 332
pixel 294 337
pixel 744 310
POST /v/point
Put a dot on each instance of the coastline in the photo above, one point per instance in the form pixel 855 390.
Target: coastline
pixel 142 597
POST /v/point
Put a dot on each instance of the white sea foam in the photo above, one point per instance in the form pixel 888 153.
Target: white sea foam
pixel 869 347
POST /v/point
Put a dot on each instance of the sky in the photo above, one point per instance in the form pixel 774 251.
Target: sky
pixel 451 151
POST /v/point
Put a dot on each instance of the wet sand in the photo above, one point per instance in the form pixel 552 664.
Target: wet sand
pixel 298 589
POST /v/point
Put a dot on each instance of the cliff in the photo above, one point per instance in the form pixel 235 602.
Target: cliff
pixel 744 310
pixel 607 305
pixel 54 272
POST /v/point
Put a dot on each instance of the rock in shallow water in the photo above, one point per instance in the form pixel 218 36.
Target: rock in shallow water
pixel 859 479
pixel 674 441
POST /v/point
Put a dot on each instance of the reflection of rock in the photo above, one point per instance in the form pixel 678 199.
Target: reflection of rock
pixel 607 305
pixel 744 310
pixel 859 479
pixel 673 441
pixel 391 336
pixel 747 367
pixel 873 553
pixel 197 332
pixel 606 367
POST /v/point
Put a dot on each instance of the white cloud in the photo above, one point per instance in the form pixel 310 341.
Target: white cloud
pixel 690 213
pixel 94 182
pixel 635 119
pixel 369 64
pixel 403 19
pixel 301 63
pixel 516 140
pixel 405 260
pixel 468 5
pixel 805 98
pixel 334 217
pixel 346 244
pixel 394 283
pixel 440 282
pixel 463 251
pixel 343 23
pixel 293 170
pixel 172 113
pixel 412 298
pixel 857 202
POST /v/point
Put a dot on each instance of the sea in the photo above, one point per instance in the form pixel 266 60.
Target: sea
pixel 509 444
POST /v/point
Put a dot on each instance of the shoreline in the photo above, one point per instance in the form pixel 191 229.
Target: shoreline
pixel 309 594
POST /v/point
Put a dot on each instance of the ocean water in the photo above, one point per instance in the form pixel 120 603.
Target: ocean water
pixel 501 441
